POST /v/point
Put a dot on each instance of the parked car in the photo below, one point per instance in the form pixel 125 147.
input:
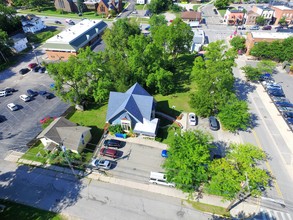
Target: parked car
pixel 48 95
pixel 24 71
pixel 285 109
pixel 36 69
pixel 288 114
pixel 57 22
pixel 10 90
pixel 273 86
pixel 32 65
pixel 113 143
pixel 42 69
pixel 44 120
pixel 109 152
pixel 255 27
pixel 25 98
pixel 241 28
pixel 289 120
pixel 134 12
pixel 12 106
pixel 276 93
pixel 280 99
pixel 3 93
pixel 192 119
pixel 42 92
pixel 268 27
pixel 214 123
pixel 2 118
pixel 284 104
pixel 32 93
pixel 101 164
pixel 265 76
pixel 164 153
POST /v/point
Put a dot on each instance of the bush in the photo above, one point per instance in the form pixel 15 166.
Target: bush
pixel 116 129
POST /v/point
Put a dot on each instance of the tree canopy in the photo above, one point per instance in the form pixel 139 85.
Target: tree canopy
pixel 238 172
pixel 220 4
pixel 188 160
pixel 276 50
pixel 260 20
pixel 238 42
pixel 158 6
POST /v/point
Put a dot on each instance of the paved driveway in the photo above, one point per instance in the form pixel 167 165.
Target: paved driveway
pixel 23 125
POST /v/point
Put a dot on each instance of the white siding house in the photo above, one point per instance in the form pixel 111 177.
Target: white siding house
pixel 32 23
pixel 20 42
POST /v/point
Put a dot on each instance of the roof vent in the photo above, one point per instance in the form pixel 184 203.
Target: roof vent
pixel 88 36
pixel 97 30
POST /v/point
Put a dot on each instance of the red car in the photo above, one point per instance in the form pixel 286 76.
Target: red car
pixel 268 27
pixel 109 152
pixel 32 65
pixel 44 120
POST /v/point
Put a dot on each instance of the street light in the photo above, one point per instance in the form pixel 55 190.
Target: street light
pixel 35 54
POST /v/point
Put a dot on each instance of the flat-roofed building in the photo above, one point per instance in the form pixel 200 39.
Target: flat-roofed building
pixel 69 41
pixel 255 37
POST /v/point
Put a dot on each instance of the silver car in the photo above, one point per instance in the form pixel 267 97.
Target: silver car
pixel 101 164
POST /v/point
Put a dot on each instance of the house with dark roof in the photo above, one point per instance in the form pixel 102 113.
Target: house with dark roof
pixel 134 110
pixel 32 23
pixel 68 42
pixel 64 132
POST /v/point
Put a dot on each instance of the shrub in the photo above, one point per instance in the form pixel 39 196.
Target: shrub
pixel 115 129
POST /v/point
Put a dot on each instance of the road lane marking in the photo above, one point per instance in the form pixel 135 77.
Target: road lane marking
pixel 268 165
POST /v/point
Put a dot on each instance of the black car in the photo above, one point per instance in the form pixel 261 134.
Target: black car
pixel 288 114
pixel 215 10
pixel 48 95
pixel 24 71
pixel 214 124
pixel 31 93
pixel 42 92
pixel 42 70
pixel 36 69
pixel 284 104
pixel 57 22
pixel 265 76
pixel 9 90
pixel 113 143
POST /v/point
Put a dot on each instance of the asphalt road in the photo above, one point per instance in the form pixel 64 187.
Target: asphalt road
pixel 266 135
pixel 87 199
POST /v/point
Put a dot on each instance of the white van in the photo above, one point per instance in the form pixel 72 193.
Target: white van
pixel 160 178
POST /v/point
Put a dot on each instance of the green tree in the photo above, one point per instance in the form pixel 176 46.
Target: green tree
pixel 77 79
pixel 188 159
pixel 162 80
pixel 221 4
pixel 5 51
pixel 266 66
pixel 80 6
pixel 9 22
pixel 251 73
pixel 260 20
pixel 238 172
pixel 158 6
pixel 116 38
pixel 234 115
pixel 157 21
pixel 283 21
pixel 213 78
pixel 238 42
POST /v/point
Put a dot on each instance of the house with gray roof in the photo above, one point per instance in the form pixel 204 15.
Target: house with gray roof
pixel 67 43
pixel 64 132
pixel 133 110
pixel 19 42
pixel 32 23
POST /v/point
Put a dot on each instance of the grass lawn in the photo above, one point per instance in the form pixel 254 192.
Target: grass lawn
pixel 140 7
pixel 14 210
pixel 210 208
pixel 42 36
pixel 195 7
pixel 36 153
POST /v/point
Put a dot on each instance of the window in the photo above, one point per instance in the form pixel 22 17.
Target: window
pixel 125 124
pixel 61 4
pixel 102 8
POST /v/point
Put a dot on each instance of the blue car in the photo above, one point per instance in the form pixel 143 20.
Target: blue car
pixel 164 153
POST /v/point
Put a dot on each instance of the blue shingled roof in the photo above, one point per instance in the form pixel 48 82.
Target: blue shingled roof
pixel 136 101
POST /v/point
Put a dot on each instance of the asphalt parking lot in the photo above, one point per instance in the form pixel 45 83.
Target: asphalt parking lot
pixel 136 162
pixel 21 126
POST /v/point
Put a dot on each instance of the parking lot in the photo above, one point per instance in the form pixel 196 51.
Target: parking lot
pixel 21 126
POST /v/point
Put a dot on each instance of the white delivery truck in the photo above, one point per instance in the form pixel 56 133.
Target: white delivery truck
pixel 160 178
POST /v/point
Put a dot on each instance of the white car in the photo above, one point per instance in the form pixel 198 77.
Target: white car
pixel 101 164
pixel 25 97
pixel 192 119
pixel 12 106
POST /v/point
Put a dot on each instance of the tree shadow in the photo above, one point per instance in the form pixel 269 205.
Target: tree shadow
pixel 163 106
pixel 253 121
pixel 219 150
pixel 243 88
pixel 41 188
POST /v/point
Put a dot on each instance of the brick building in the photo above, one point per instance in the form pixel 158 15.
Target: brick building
pixel 283 11
pixel 250 18
pixel 255 37
pixel 68 42
pixel 234 17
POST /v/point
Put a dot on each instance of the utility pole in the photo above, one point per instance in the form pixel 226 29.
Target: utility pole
pixel 63 148
pixel 35 54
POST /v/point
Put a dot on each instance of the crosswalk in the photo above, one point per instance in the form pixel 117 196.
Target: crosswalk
pixel 269 214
